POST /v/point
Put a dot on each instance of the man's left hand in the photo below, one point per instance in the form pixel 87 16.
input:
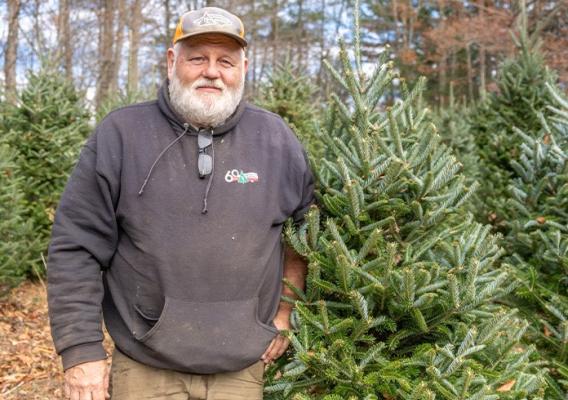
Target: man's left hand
pixel 280 343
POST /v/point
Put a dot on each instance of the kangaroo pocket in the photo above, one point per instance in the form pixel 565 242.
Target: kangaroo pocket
pixel 209 337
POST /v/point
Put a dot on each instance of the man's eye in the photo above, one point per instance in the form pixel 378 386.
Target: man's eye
pixel 226 63
pixel 197 60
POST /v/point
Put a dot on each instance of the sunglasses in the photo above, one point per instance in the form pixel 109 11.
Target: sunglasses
pixel 204 160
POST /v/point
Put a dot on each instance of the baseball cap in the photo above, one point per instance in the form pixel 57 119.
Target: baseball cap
pixel 210 20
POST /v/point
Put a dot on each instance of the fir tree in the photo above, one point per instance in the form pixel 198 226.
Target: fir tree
pixel 455 131
pixel 536 238
pixel 401 288
pixel 45 131
pixel 520 98
pixel 120 99
pixel 290 94
pixel 14 229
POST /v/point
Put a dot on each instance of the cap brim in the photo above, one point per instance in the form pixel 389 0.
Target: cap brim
pixel 239 39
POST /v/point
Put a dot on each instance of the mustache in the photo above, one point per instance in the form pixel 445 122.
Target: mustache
pixel 216 83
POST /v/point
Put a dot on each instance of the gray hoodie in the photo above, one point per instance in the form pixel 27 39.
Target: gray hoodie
pixel 180 288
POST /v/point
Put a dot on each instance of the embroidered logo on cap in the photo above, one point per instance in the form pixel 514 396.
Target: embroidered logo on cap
pixel 240 177
pixel 212 19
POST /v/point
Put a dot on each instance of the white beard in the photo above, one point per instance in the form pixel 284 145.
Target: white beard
pixel 204 109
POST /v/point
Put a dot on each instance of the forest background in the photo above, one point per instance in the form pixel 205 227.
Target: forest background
pixel 497 73
pixel 111 46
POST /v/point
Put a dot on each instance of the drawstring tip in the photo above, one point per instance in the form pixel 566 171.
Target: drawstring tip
pixel 204 210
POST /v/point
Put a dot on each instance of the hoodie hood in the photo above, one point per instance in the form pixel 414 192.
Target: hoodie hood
pixel 179 125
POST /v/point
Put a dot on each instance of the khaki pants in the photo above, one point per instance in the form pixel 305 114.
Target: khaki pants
pixel 131 380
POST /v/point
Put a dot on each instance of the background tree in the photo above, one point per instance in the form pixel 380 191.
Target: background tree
pixel 522 95
pixel 11 53
pixel 289 93
pixel 536 237
pixel 44 132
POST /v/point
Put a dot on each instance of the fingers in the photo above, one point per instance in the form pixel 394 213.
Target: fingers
pixel 264 357
pixel 276 349
pixel 85 394
pixel 106 385
pixel 87 381
pixel 98 395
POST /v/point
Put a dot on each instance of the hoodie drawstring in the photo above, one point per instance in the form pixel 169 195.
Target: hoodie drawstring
pixel 210 181
pixel 186 126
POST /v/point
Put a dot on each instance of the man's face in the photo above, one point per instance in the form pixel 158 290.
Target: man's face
pixel 206 78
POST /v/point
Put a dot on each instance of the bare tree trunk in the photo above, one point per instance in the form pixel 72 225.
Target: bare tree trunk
pixel 469 72
pixel 64 38
pixel 118 43
pixel 11 51
pixel 322 44
pixel 167 37
pixel 38 29
pixel 442 78
pixel 300 42
pixel 275 32
pixel 482 58
pixel 106 52
pixel 134 25
pixel 254 44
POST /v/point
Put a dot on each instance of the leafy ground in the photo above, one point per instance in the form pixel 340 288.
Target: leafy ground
pixel 29 367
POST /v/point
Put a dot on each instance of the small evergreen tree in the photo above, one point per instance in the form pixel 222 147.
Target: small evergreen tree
pixel 290 94
pixel 455 132
pixel 536 227
pixel 14 229
pixel 400 294
pixel 521 97
pixel 45 131
pixel 120 99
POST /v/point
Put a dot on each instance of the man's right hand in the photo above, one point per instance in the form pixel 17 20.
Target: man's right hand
pixel 87 381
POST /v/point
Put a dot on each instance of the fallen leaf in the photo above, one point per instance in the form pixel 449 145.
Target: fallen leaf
pixel 507 386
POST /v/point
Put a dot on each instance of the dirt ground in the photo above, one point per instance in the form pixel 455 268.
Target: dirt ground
pixel 29 367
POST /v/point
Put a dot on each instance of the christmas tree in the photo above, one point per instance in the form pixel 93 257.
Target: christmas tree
pixel 121 99
pixel 400 298
pixel 520 98
pixel 289 93
pixel 14 229
pixel 536 227
pixel 454 129
pixel 45 131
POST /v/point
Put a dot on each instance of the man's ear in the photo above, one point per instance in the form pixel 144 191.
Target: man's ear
pixel 246 65
pixel 171 56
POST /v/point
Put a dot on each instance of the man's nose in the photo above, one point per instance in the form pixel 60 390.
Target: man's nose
pixel 211 70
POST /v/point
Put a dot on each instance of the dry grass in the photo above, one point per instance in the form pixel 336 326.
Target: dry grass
pixel 29 367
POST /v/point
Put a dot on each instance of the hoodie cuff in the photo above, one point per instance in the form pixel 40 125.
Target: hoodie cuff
pixel 82 353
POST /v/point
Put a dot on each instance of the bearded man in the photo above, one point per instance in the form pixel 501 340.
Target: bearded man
pixel 170 225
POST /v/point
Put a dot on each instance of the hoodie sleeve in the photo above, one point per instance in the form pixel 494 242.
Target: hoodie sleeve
pixel 84 239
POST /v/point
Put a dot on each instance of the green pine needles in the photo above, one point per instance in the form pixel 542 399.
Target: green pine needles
pixel 402 297
pixel 290 93
pixel 15 230
pixel 521 98
pixel 537 237
pixel 44 132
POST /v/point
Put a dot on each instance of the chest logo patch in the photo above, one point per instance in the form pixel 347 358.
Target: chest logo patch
pixel 236 176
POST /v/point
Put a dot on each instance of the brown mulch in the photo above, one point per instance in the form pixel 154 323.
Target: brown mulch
pixel 29 367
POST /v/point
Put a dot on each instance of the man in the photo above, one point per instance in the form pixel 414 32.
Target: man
pixel 180 202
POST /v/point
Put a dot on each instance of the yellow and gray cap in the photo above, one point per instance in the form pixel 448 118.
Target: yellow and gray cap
pixel 210 20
